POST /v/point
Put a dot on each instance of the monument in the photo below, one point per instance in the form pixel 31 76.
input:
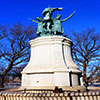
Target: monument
pixel 51 62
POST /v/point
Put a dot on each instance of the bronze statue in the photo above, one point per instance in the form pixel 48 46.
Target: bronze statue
pixel 49 25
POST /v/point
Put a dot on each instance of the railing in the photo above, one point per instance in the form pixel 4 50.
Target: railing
pixel 50 96
pixel 36 91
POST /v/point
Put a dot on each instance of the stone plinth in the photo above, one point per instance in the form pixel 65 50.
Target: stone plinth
pixel 51 64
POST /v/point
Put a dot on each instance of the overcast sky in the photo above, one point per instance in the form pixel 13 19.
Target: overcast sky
pixel 87 12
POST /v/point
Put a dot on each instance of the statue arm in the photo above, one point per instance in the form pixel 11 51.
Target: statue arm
pixel 68 17
pixel 33 20
pixel 59 8
pixel 53 9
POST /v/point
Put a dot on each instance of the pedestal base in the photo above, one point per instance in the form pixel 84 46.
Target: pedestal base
pixel 51 79
pixel 51 64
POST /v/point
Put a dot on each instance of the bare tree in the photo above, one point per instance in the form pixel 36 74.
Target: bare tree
pixel 86 52
pixel 14 46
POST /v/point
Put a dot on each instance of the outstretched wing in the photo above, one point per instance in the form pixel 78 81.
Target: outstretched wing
pixel 33 20
pixel 68 17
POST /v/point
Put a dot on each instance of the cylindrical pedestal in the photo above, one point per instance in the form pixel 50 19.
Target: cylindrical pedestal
pixel 51 64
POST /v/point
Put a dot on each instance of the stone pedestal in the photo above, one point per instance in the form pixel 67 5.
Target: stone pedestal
pixel 51 64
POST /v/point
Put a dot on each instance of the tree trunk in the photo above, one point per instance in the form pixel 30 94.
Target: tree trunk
pixel 85 78
pixel 1 81
pixel 5 73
